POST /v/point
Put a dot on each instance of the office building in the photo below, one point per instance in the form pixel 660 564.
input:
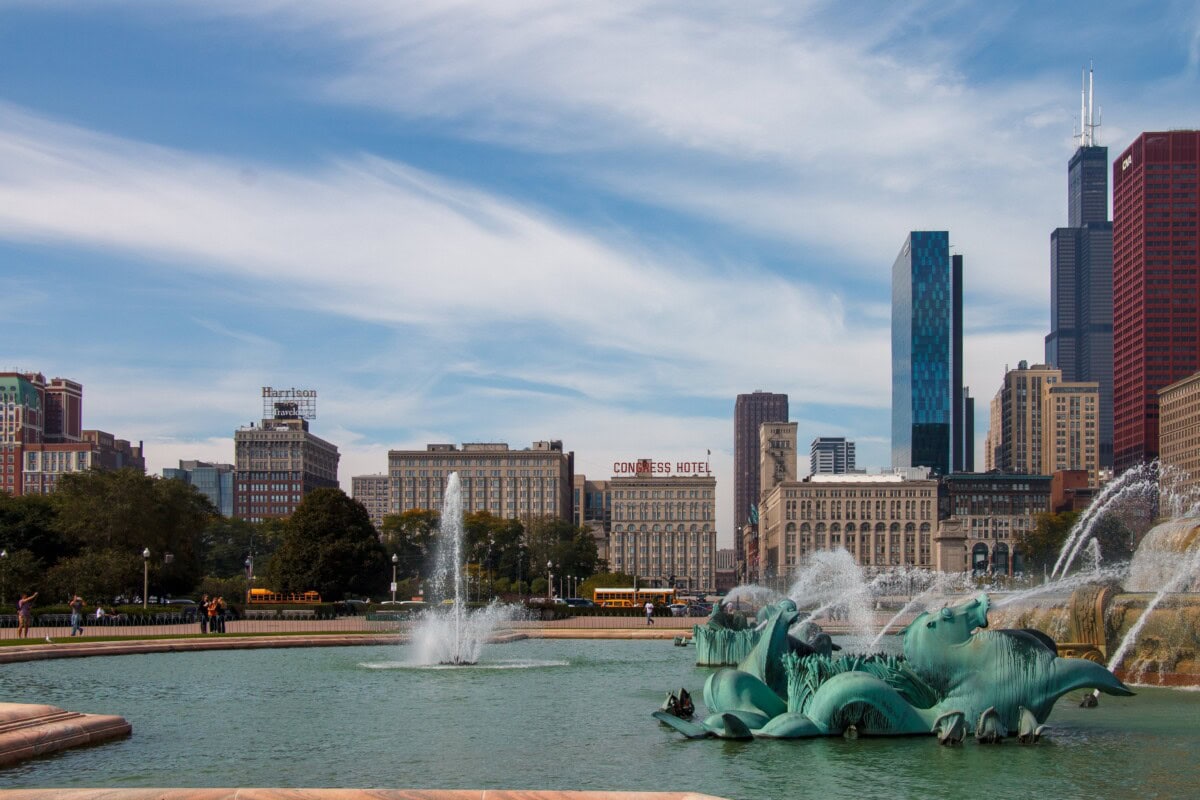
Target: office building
pixel 1080 342
pixel 829 455
pixel 373 492
pixel 664 530
pixel 592 503
pixel 1156 296
pixel 750 411
pixel 1043 424
pixel 41 435
pixel 929 404
pixel 990 513
pixel 277 463
pixel 537 481
pixel 1179 437
pixel 883 521
pixel 214 481
pixel 725 576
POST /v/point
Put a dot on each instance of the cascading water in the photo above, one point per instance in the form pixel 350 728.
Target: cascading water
pixel 1185 572
pixel 1139 483
pixel 449 633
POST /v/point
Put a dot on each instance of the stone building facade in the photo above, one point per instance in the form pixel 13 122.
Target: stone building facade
pixel 664 529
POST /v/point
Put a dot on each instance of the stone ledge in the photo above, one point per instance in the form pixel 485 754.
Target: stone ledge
pixel 29 731
pixel 338 794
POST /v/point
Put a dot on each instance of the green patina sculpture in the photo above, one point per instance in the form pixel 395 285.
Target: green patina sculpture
pixel 952 681
pixel 729 637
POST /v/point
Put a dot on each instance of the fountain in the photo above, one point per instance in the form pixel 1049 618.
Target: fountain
pixel 449 633
pixel 953 679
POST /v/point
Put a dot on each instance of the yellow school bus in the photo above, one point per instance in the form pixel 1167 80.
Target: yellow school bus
pixel 632 598
pixel 269 596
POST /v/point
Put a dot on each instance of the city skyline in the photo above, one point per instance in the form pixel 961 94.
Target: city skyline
pixel 518 223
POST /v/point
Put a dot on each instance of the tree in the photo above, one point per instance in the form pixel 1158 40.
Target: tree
pixel 563 543
pixel 125 511
pixel 330 546
pixel 226 543
pixel 410 536
pixel 27 523
pixel 1041 545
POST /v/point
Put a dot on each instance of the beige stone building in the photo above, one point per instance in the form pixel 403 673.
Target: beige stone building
pixel 513 484
pixel 883 521
pixel 592 503
pixel 1041 424
pixel 1071 428
pixel 1179 434
pixel 372 491
pixel 664 527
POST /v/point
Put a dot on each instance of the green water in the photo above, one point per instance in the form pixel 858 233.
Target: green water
pixel 546 714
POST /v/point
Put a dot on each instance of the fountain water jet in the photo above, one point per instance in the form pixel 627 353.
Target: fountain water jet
pixel 451 634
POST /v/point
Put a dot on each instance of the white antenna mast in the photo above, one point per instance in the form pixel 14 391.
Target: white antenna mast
pixel 1087 110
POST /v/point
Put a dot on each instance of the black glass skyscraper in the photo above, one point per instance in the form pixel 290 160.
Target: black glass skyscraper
pixel 1080 342
pixel 929 407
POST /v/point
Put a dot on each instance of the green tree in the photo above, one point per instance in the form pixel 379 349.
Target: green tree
pixel 410 536
pixel 28 523
pixel 330 546
pixel 228 542
pixel 605 580
pixel 1041 545
pixel 96 574
pixel 563 543
pixel 20 571
pixel 124 511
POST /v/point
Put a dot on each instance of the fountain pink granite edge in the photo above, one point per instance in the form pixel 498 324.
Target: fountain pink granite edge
pixel 29 731
pixel 339 794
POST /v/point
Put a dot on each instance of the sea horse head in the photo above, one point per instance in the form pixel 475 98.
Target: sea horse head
pixel 949 626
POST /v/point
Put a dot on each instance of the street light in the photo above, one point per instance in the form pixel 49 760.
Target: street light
pixel 145 577
pixel 3 576
pixel 249 576
pixel 570 586
pixel 395 561
pixel 549 580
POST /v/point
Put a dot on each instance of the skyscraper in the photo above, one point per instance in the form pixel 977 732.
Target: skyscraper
pixel 830 455
pixel 1156 295
pixel 1080 342
pixel 929 406
pixel 749 412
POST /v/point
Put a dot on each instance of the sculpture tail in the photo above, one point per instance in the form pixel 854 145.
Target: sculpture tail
pixel 692 730
pixel 1079 673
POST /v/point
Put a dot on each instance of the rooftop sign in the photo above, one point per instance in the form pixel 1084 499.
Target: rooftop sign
pixel 289 403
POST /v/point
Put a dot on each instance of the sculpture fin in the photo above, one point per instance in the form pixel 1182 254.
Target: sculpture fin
pixel 1079 673
pixel 692 730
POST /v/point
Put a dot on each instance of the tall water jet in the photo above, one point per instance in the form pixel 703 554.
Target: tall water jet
pixel 1139 482
pixel 449 633
pixel 832 583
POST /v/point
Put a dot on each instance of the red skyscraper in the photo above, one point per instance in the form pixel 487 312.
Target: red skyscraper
pixel 1156 295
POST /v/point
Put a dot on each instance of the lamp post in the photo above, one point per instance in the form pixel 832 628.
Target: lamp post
pixel 249 575
pixel 395 561
pixel 570 586
pixel 549 580
pixel 145 578
pixel 520 554
pixel 3 576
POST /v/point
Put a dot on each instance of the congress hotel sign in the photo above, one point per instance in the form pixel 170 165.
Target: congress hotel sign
pixel 646 467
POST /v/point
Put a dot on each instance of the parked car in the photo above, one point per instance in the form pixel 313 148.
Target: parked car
pixel 678 609
pixel 699 609
pixel 578 602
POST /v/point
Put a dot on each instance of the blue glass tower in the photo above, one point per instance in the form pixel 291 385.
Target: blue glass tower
pixel 929 406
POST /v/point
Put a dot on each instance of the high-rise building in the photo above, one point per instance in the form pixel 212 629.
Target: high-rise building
pixel 1045 424
pixel 41 435
pixel 992 513
pixel 593 510
pixel 1179 436
pixel 750 411
pixel 373 492
pixel 929 404
pixel 514 484
pixel 1080 342
pixel 278 463
pixel 214 481
pixel 830 455
pixel 1156 294
pixel 664 529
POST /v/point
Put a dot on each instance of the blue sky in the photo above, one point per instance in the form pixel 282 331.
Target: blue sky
pixel 514 221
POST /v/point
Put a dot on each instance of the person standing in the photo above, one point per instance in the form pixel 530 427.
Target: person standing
pixel 76 615
pixel 649 612
pixel 25 614
pixel 221 607
pixel 202 613
pixel 212 615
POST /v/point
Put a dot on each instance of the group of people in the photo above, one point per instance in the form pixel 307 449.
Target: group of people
pixel 211 612
pixel 25 614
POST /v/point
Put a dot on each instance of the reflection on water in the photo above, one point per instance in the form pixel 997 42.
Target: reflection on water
pixel 522 664
pixel 576 715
